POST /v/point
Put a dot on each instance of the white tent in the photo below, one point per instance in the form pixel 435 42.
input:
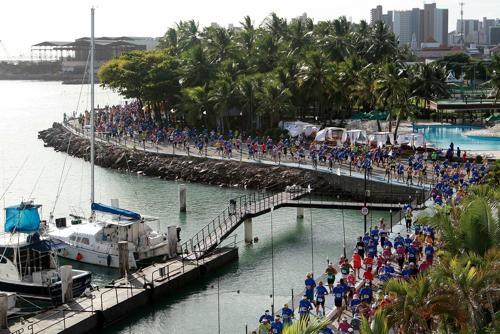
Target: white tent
pixel 329 134
pixel 310 130
pixel 297 128
pixel 354 136
pixel 381 138
pixel 413 139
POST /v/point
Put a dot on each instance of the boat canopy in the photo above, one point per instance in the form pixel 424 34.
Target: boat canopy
pixel 22 218
pixel 115 211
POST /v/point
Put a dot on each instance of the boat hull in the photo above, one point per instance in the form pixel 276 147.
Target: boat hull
pixel 47 293
pixel 83 255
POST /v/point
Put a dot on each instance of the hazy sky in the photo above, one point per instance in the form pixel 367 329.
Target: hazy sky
pixel 26 22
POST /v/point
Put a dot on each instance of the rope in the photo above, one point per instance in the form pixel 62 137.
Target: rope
pixel 15 176
pixel 59 186
pixel 36 182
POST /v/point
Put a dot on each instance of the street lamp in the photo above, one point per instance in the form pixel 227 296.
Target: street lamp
pixel 365 203
pixel 343 225
pixel 218 302
pixel 311 219
pixel 272 261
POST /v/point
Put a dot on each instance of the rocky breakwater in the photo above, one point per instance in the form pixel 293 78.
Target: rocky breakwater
pixel 191 169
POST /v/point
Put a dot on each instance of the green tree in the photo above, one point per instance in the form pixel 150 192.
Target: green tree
pixel 378 325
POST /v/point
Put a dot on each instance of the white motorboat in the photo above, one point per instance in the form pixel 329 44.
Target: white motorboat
pixel 95 239
pixel 28 263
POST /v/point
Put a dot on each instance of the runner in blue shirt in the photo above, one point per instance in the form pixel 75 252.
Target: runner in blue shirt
pixel 366 293
pixel 277 326
pixel 355 301
pixel 267 316
pixel 338 293
pixel 310 285
pixel 305 307
pixel 287 315
pixel 321 292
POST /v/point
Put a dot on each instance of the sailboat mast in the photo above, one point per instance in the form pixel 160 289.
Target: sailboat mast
pixel 92 126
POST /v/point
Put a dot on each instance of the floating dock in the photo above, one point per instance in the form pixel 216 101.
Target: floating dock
pixel 114 302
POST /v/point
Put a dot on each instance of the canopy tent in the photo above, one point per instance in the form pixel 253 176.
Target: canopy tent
pixel 298 127
pixel 413 139
pixel 381 138
pixel 22 218
pixel 329 134
pixel 354 136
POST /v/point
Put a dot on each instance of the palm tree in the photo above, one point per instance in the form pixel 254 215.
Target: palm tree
pixel 469 227
pixel 383 44
pixel 310 326
pixel 417 302
pixel 472 283
pixel 429 82
pixel 495 74
pixel 378 325
pixel 222 96
pixel 315 76
pixel 274 99
pixel 247 88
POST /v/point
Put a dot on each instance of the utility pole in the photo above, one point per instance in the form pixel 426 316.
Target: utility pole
pixel 462 24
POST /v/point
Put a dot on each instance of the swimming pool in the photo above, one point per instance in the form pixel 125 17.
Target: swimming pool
pixel 441 136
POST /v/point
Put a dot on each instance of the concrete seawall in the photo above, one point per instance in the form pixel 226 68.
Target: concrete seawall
pixel 226 173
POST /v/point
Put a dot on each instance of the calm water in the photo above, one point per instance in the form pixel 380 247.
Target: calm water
pixel 28 107
pixel 442 135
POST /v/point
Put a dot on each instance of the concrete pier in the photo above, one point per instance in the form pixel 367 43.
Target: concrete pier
pixel 182 197
pixel 300 212
pixel 248 230
pixel 115 302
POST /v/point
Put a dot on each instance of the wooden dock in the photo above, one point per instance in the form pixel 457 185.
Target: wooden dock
pixel 114 302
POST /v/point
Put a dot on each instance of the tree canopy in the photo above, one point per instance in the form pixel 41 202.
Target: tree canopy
pixel 280 69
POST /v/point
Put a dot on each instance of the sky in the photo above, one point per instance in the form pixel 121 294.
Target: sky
pixel 27 22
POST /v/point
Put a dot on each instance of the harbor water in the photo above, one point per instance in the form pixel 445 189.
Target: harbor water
pixel 245 286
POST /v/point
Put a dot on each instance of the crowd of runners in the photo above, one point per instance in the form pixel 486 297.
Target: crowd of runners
pixel 355 283
pixel 414 167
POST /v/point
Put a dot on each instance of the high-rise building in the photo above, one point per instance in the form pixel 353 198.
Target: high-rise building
pixel 376 15
pixel 494 35
pixel 402 26
pixel 441 26
pixel 471 31
pixel 428 22
pixel 388 19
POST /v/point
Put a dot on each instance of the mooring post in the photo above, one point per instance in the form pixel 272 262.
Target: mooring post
pixel 300 213
pixel 123 257
pixel 66 283
pixel 248 230
pixel 172 240
pixel 4 307
pixel 182 197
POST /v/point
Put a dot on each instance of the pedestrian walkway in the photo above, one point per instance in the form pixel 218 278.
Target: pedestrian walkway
pixel 376 175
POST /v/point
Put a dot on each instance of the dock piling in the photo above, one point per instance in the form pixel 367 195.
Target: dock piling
pixel 123 257
pixel 66 283
pixel 300 213
pixel 182 197
pixel 248 230
pixel 4 306
pixel 115 202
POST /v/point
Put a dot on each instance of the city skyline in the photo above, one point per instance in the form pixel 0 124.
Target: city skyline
pixel 62 20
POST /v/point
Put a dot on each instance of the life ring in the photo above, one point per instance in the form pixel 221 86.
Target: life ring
pixel 79 257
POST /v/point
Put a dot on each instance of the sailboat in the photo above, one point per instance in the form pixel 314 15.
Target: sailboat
pixel 94 240
pixel 28 261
